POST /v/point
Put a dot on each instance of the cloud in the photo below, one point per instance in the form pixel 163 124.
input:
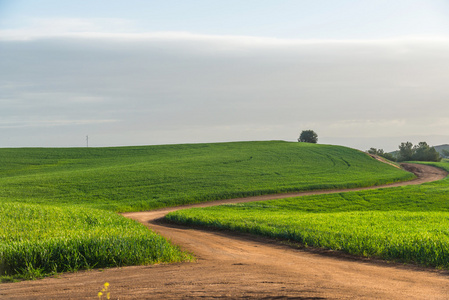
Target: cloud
pixel 50 123
pixel 36 28
pixel 179 87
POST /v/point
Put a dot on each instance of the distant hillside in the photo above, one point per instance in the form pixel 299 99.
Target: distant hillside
pixel 442 147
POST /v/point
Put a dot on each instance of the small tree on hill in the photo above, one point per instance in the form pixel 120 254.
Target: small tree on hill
pixel 420 151
pixel 308 136
pixel 405 151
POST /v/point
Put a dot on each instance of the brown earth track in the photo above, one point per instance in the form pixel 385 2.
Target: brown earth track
pixel 232 265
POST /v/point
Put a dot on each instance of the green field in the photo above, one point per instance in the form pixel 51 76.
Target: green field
pixel 143 178
pixel 407 224
pixel 58 205
pixel 37 240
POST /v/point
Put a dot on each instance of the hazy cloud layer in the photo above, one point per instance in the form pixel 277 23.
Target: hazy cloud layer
pixel 177 88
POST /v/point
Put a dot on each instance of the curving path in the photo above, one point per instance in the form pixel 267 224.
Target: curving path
pixel 234 265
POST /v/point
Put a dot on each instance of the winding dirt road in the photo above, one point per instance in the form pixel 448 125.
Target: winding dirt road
pixel 234 265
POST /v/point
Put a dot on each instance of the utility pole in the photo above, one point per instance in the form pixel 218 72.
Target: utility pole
pixel 87 141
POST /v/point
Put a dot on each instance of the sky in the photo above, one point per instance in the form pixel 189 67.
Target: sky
pixel 360 73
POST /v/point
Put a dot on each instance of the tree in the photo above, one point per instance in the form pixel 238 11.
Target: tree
pixel 421 151
pixel 424 152
pixel 308 136
pixel 405 151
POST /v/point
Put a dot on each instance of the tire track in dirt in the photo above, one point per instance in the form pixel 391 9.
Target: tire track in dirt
pixel 233 265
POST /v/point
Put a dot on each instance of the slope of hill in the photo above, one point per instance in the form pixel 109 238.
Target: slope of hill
pixel 440 148
pixel 148 177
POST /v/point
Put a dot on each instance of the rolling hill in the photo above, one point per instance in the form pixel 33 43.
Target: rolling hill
pixel 58 205
pixel 149 177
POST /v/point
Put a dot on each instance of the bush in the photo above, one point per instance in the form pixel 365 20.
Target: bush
pixel 381 153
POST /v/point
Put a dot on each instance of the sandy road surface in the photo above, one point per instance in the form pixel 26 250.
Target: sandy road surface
pixel 241 266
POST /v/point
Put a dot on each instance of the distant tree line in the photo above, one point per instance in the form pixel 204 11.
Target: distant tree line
pixel 408 151
pixel 420 152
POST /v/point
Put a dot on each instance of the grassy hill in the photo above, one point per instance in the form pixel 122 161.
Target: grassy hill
pixel 142 178
pixel 57 206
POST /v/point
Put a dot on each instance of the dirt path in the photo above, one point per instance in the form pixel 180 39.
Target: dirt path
pixel 234 265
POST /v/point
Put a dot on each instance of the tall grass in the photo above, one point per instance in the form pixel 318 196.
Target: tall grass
pixel 36 240
pixel 408 224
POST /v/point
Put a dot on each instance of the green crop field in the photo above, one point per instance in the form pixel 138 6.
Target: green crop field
pixel 406 224
pixel 37 240
pixel 143 178
pixel 58 205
